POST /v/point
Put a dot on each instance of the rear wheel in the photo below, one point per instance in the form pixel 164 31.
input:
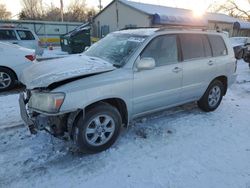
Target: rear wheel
pixel 99 129
pixel 7 79
pixel 212 97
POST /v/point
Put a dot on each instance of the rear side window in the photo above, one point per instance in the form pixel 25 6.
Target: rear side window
pixel 163 50
pixel 206 46
pixel 218 45
pixel 7 35
pixel 25 35
pixel 192 46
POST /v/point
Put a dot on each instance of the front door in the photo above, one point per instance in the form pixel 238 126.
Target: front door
pixel 159 87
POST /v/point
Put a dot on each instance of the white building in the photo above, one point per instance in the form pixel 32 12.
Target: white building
pixel 122 14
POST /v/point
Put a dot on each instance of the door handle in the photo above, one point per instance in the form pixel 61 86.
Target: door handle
pixel 14 42
pixel 210 62
pixel 177 69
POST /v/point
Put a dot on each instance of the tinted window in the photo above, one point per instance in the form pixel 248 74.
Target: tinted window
pixel 25 35
pixel 218 45
pixel 192 46
pixel 206 45
pixel 163 49
pixel 7 35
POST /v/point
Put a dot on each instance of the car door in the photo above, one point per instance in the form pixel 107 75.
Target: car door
pixel 198 65
pixel 27 39
pixel 159 87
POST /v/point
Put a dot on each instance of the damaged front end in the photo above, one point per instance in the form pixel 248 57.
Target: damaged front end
pixel 57 124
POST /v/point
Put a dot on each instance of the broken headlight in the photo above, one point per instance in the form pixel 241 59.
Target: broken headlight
pixel 46 101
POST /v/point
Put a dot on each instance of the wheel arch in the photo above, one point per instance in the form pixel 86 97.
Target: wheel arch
pixel 10 70
pixel 118 103
pixel 223 79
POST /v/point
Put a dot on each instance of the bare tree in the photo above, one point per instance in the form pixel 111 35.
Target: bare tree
pixel 4 13
pixel 52 13
pixel 78 11
pixel 32 9
pixel 231 8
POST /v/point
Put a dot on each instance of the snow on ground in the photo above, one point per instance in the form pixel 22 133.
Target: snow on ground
pixel 179 148
pixel 9 113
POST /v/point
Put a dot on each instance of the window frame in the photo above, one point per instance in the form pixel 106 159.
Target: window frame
pixel 179 55
pixel 212 48
pixel 22 30
pixel 16 37
pixel 198 58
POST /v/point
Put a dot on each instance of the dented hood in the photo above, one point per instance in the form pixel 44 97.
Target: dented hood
pixel 43 74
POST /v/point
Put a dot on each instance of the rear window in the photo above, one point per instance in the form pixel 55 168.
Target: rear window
pixel 7 35
pixel 192 46
pixel 25 35
pixel 218 45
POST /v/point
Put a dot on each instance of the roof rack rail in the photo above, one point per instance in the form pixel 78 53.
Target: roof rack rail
pixel 127 28
pixel 169 27
pixel 197 28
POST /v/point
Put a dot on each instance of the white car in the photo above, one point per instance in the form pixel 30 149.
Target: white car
pixel 13 60
pixel 22 37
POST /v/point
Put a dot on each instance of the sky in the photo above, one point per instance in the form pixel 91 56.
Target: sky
pixel 198 6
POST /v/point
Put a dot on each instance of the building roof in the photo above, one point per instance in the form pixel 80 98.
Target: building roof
pixel 242 25
pixel 151 9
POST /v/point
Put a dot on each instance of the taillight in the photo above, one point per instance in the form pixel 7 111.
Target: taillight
pixel 30 57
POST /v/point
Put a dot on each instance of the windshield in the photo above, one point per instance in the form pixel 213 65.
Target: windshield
pixel 116 48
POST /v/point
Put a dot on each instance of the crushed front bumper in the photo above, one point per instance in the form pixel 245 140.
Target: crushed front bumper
pixel 23 111
pixel 54 124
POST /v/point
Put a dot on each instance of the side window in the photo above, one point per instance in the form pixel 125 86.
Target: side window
pixel 7 35
pixel 163 49
pixel 206 45
pixel 25 35
pixel 218 45
pixel 192 46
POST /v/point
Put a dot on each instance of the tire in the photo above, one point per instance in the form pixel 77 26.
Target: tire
pixel 210 100
pixel 93 138
pixel 7 79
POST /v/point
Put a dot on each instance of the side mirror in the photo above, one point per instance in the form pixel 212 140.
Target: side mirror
pixel 146 63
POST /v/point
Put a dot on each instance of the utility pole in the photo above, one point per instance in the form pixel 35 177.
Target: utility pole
pixel 61 2
pixel 100 5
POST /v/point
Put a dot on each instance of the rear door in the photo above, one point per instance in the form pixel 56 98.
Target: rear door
pixel 27 39
pixel 198 65
pixel 161 86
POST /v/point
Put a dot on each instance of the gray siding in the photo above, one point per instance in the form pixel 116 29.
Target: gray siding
pixel 118 16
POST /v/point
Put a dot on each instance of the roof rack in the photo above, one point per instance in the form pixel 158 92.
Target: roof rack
pixel 197 28
pixel 128 28
pixel 183 27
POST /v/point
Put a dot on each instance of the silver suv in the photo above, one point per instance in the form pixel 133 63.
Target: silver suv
pixel 128 74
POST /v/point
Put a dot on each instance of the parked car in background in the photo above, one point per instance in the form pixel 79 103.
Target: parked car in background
pixel 127 74
pixel 22 37
pixel 14 59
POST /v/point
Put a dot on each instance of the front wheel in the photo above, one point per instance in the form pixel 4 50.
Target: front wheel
pixel 7 79
pixel 99 129
pixel 212 97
